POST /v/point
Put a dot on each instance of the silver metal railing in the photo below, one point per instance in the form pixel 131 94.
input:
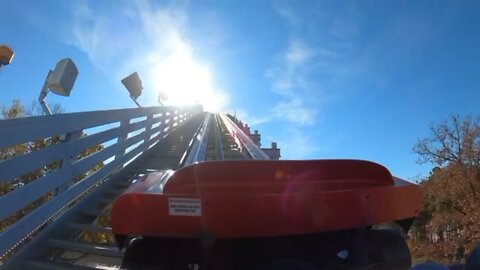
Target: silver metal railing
pixel 123 135
pixel 254 151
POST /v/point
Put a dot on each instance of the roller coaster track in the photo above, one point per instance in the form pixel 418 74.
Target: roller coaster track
pixel 71 230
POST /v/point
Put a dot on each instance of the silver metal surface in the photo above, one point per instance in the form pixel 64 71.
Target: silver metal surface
pixel 218 139
pixel 133 139
pixel 155 138
pixel 198 150
pixel 254 151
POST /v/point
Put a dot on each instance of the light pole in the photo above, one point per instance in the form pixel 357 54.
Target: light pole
pixel 161 96
pixel 6 55
pixel 133 83
pixel 60 81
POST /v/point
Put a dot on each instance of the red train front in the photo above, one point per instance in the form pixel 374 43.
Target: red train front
pixel 322 214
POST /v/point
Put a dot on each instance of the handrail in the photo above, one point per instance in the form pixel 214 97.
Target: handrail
pixel 132 138
pixel 198 149
pixel 218 139
pixel 254 151
pixel 14 131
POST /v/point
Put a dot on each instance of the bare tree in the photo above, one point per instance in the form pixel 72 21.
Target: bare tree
pixel 455 140
pixel 36 109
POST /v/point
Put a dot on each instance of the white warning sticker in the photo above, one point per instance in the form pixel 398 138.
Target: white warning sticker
pixel 184 207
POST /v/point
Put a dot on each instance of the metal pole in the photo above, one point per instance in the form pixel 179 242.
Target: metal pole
pixel 134 100
pixel 159 99
pixel 43 94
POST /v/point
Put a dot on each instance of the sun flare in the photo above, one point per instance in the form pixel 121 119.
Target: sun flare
pixel 180 80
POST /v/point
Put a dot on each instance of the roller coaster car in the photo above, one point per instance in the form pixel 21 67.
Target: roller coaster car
pixel 316 214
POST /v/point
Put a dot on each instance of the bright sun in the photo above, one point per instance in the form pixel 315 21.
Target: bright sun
pixel 182 81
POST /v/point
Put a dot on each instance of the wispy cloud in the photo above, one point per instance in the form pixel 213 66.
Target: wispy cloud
pixel 304 76
pixel 148 38
pixel 317 56
pixel 288 74
pixel 250 119
pixel 296 144
pixel 289 79
pixel 295 112
pixel 298 54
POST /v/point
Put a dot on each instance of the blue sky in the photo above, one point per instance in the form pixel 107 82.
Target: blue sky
pixel 325 79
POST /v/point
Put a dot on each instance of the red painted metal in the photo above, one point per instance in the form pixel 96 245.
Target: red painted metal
pixel 265 198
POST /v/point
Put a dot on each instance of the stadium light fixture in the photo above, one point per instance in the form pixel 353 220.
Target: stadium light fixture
pixel 6 55
pixel 133 83
pixel 60 81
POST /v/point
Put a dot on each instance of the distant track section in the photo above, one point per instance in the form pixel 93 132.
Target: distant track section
pixel 242 139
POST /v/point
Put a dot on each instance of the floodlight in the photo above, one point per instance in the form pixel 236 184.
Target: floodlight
pixel 60 81
pixel 63 77
pixel 6 55
pixel 133 83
